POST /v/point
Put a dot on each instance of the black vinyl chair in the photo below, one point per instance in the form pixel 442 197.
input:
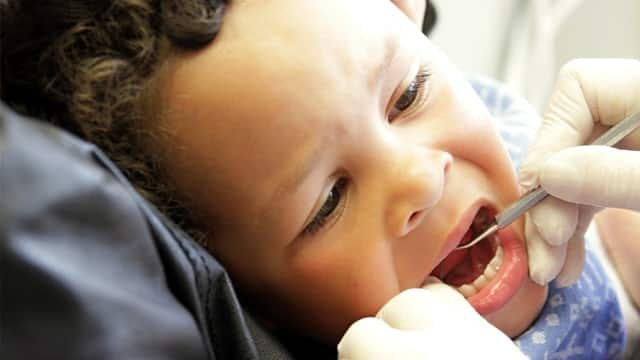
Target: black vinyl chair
pixel 90 270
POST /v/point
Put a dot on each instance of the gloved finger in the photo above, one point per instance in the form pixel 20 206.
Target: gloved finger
pixel 555 220
pixel 420 309
pixel 574 262
pixel 594 175
pixel 590 91
pixel 567 122
pixel 445 292
pixel 587 91
pixel 464 324
pixel 414 9
pixel 611 87
pixel 372 338
pixel 545 260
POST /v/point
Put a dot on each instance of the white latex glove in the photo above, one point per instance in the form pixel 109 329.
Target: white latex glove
pixel 414 9
pixel 434 322
pixel 590 96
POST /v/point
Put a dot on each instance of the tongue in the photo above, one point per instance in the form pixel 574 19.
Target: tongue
pixel 464 266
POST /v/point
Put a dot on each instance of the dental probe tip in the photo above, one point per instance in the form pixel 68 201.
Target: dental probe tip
pixel 493 228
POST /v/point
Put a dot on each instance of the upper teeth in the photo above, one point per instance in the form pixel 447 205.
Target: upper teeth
pixel 490 272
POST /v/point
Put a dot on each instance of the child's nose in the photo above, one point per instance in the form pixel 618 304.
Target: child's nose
pixel 417 186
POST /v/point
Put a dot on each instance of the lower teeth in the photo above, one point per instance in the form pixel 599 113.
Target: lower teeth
pixel 490 271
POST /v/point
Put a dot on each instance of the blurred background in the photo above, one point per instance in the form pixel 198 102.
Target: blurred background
pixel 523 43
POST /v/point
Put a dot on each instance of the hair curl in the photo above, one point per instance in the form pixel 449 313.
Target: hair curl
pixel 91 66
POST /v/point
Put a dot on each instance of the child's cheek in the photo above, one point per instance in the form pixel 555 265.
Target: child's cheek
pixel 342 285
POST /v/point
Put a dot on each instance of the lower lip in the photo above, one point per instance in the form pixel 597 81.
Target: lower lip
pixel 508 280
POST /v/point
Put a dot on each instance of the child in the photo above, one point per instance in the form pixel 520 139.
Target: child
pixel 325 152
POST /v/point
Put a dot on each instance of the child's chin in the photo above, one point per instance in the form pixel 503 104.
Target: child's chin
pixel 520 312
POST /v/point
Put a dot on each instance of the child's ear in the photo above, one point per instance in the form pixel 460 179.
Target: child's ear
pixel 414 9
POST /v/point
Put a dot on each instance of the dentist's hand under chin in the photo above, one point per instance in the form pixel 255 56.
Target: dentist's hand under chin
pixel 590 96
pixel 434 322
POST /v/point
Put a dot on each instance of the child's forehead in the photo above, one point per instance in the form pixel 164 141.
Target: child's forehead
pixel 317 27
pixel 284 40
pixel 280 76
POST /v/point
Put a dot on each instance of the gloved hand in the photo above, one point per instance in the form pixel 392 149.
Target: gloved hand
pixel 414 9
pixel 434 322
pixel 590 96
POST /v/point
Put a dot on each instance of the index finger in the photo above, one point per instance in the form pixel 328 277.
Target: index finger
pixel 587 92
pixel 373 339
pixel 430 307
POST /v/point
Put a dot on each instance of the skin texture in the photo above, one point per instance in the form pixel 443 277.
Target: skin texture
pixel 301 90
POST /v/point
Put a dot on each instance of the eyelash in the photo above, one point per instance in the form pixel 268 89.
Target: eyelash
pixel 413 93
pixel 331 203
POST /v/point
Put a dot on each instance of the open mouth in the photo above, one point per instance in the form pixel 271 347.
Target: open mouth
pixel 490 273
pixel 470 270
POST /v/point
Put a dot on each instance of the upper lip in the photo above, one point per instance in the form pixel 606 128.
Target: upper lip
pixel 457 233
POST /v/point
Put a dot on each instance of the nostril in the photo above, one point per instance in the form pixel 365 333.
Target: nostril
pixel 414 219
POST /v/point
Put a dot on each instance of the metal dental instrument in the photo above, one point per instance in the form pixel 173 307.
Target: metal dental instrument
pixel 529 200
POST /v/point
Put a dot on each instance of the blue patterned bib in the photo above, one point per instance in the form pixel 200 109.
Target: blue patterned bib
pixel 583 321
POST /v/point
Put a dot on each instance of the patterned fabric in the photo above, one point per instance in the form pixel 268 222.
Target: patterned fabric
pixel 583 321
pixel 517 121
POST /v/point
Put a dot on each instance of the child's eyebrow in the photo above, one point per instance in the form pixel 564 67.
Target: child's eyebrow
pixel 304 165
pixel 305 162
pixel 390 50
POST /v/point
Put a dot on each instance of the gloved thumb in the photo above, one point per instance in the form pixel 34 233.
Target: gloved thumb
pixel 594 175
pixel 426 308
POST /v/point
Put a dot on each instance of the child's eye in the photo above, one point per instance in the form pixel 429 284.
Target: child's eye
pixel 411 94
pixel 328 207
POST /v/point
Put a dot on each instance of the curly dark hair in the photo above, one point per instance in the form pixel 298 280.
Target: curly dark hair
pixel 92 67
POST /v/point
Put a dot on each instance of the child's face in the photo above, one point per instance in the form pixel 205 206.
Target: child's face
pixel 330 184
